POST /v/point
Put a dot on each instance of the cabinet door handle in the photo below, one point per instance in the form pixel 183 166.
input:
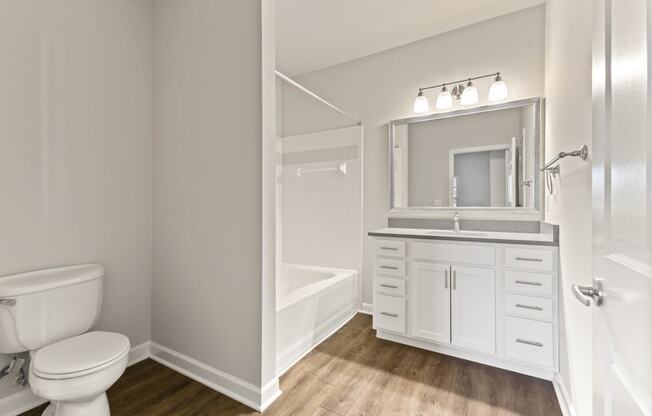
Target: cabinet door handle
pixel 393 315
pixel 529 259
pixel 454 280
pixel 389 286
pixel 389 248
pixel 525 282
pixel 533 343
pixel 446 279
pixel 389 267
pixel 534 308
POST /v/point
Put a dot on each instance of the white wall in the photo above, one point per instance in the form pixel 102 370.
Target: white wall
pixel 212 245
pixel 568 126
pixel 75 147
pixel 382 87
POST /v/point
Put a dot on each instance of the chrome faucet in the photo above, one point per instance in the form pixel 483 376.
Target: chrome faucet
pixel 456 222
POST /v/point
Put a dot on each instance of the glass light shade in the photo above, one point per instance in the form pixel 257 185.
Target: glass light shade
pixel 421 104
pixel 444 100
pixel 498 91
pixel 470 95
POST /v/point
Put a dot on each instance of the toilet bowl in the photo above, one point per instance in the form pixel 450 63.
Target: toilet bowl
pixel 74 374
pixel 48 313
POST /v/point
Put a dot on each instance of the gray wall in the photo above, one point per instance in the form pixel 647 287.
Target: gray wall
pixel 208 190
pixel 382 87
pixel 431 141
pixel 75 134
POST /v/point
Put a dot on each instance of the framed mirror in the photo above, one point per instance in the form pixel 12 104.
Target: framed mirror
pixel 484 158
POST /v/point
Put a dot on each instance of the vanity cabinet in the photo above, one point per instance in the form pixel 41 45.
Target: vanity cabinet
pixel 473 309
pixel 493 303
pixel 431 302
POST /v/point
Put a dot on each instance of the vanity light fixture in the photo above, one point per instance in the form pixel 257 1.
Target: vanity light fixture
pixel 444 99
pixel 498 90
pixel 468 95
pixel 421 104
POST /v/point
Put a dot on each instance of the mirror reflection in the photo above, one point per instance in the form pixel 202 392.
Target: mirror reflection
pixel 487 157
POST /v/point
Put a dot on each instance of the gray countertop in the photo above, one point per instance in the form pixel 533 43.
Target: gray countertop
pixel 466 235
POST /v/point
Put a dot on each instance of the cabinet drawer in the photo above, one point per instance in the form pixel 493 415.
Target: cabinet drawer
pixel 526 282
pixel 390 267
pixel 389 313
pixel 390 286
pixel 390 248
pixel 454 253
pixel 528 258
pixel 529 341
pixel 529 307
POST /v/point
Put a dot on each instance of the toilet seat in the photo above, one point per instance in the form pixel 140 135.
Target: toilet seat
pixel 79 356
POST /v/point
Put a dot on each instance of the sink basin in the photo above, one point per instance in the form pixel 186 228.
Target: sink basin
pixel 445 233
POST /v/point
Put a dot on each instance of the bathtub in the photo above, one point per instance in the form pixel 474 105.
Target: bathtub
pixel 311 304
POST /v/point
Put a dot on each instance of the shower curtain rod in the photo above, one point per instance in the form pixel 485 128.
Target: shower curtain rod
pixel 315 96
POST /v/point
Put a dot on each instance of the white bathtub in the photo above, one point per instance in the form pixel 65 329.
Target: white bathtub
pixel 311 304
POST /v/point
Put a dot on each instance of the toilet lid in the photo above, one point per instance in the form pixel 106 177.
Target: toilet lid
pixel 80 355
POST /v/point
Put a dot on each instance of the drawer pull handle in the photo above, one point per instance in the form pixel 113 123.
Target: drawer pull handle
pixel 389 267
pixel 389 286
pixel 389 248
pixel 533 343
pixel 525 282
pixel 529 259
pixel 534 308
pixel 393 315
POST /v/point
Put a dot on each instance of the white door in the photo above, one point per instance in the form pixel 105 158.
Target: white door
pixel 622 210
pixel 431 302
pixel 473 309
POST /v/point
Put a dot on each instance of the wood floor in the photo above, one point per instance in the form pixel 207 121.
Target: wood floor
pixel 351 373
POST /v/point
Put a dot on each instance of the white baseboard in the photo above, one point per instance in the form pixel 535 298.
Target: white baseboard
pixel 367 308
pixel 139 353
pixel 564 399
pixel 258 398
pixel 19 403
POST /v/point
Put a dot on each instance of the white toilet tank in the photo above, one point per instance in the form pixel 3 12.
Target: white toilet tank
pixel 43 307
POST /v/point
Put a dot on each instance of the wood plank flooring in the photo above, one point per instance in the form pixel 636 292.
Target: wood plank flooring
pixel 350 374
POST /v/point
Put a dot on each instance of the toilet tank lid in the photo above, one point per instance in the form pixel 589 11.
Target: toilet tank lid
pixel 42 280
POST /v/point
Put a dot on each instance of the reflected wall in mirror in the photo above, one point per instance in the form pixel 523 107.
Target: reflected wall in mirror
pixel 487 157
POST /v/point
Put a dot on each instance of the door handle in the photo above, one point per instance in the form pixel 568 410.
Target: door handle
pixel 445 279
pixel 585 293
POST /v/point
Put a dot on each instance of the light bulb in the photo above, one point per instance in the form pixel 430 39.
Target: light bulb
pixel 421 104
pixel 470 94
pixel 444 100
pixel 498 90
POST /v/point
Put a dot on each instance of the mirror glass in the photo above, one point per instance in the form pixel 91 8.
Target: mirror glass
pixel 487 157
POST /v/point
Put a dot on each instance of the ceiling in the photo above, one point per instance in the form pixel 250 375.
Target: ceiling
pixel 315 34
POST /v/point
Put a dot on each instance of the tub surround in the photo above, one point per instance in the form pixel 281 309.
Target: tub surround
pixel 447 233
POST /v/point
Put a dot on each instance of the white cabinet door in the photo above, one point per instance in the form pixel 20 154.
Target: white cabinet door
pixel 473 312
pixel 431 301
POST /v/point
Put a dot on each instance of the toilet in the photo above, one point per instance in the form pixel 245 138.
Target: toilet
pixel 49 313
